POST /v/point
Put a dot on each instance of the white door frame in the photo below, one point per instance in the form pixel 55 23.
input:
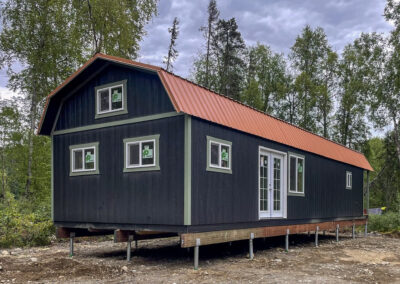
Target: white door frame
pixel 284 182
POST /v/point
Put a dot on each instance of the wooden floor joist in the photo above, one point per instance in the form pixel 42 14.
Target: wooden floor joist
pixel 123 235
pixel 215 237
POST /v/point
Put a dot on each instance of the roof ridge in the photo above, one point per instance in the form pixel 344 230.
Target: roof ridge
pixel 262 112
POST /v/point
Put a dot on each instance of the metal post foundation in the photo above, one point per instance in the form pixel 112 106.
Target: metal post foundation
pixel 251 253
pixel 316 236
pixel 337 233
pixel 71 244
pixel 287 240
pixel 128 248
pixel 196 254
pixel 353 231
pixel 366 229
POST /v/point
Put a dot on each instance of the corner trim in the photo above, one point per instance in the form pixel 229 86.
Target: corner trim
pixel 156 167
pixel 118 122
pixel 84 173
pixel 187 208
pixel 124 109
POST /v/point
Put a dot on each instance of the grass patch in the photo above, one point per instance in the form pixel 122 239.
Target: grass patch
pixel 386 223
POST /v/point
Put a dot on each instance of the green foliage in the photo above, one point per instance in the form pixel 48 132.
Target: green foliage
pixel 172 51
pixel 386 223
pixel 252 96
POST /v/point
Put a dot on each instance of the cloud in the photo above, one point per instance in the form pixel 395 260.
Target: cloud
pixel 6 94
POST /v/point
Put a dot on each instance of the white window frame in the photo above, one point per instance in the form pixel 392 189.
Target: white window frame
pixel 140 165
pixel 296 192
pixel 349 180
pixel 219 167
pixel 83 148
pixel 110 99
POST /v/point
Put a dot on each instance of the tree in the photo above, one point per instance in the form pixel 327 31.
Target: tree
pixel 229 47
pixel 252 95
pixel 172 51
pixel 209 34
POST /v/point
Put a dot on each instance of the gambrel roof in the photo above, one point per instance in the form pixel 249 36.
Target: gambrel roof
pixel 192 99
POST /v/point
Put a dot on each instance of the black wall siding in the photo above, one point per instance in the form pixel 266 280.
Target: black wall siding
pixel 154 197
pixel 219 198
pixel 145 96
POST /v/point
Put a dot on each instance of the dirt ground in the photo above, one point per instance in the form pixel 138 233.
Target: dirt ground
pixel 372 259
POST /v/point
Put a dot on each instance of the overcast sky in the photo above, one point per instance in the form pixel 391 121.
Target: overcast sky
pixel 272 22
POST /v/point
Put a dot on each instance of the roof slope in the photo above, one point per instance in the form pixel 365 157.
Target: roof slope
pixel 195 100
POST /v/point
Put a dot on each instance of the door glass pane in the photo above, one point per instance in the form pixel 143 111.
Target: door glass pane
pixel 292 170
pixel 148 153
pixel 225 156
pixel 214 154
pixel 133 154
pixel 277 184
pixel 300 175
pixel 116 98
pixel 78 165
pixel 104 100
pixel 263 183
pixel 89 159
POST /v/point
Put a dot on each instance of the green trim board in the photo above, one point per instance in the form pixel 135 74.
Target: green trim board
pixel 118 122
pixel 187 208
pixel 124 109
pixel 87 172
pixel 155 167
pixel 214 169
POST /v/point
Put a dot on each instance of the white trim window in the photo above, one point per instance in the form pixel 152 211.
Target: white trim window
pixel 110 99
pixel 219 155
pixel 296 174
pixel 84 159
pixel 141 153
pixel 349 180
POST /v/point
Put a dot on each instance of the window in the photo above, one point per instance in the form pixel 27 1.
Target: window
pixel 84 159
pixel 349 180
pixel 219 155
pixel 141 153
pixel 111 99
pixel 296 174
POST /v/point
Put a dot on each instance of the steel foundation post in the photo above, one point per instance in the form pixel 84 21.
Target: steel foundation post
pixel 71 244
pixel 196 254
pixel 316 236
pixel 251 253
pixel 287 240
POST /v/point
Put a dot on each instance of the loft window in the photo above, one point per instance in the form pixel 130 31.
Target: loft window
pixel 141 153
pixel 111 99
pixel 84 159
pixel 296 174
pixel 219 155
pixel 349 180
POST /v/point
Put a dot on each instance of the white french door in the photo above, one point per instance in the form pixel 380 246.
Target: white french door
pixel 272 185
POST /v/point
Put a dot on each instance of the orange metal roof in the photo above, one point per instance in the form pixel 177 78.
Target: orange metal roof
pixel 197 101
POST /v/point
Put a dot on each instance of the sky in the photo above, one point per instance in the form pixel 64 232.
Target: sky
pixel 272 22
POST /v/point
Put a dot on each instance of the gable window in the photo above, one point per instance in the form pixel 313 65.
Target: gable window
pixel 349 180
pixel 84 159
pixel 141 153
pixel 296 174
pixel 111 99
pixel 219 155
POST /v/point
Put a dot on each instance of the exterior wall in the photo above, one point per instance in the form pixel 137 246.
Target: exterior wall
pixel 145 96
pixel 220 198
pixel 115 197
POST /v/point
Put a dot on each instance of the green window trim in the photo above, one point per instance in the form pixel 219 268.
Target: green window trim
pixel 142 168
pixel 214 168
pixel 109 113
pixel 349 183
pixel 74 148
pixel 290 191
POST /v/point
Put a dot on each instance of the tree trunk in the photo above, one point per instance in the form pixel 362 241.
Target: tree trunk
pixel 32 123
pixel 396 134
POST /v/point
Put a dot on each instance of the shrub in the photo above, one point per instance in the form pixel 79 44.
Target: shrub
pixel 386 223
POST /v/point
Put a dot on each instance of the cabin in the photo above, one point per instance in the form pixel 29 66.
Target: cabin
pixel 138 149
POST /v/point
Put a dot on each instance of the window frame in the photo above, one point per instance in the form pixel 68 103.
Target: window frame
pixel 111 112
pixel 220 143
pixel 140 140
pixel 296 192
pixel 83 171
pixel 349 174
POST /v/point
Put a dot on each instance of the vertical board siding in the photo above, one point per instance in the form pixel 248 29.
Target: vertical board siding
pixel 219 198
pixel 153 197
pixel 145 96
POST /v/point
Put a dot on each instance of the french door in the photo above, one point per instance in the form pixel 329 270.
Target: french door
pixel 272 184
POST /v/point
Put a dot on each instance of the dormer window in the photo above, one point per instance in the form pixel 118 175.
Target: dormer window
pixel 111 99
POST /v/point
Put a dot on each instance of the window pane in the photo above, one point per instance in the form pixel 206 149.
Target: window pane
pixel 214 154
pixel 292 185
pixel 116 98
pixel 224 156
pixel 78 160
pixel 148 153
pixel 133 158
pixel 300 174
pixel 104 100
pixel 89 159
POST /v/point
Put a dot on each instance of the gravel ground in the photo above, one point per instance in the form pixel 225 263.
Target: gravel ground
pixel 372 259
